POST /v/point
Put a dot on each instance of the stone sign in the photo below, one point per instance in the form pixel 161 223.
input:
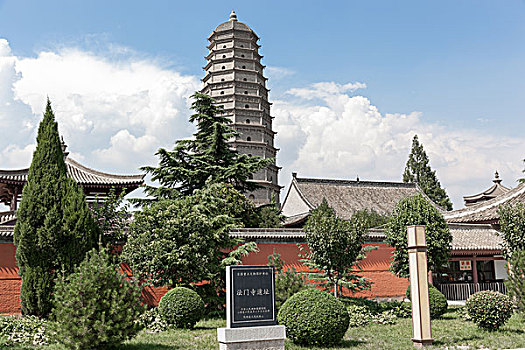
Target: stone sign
pixel 251 296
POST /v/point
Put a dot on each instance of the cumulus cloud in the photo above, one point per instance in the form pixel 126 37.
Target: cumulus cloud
pixel 113 112
pixel 327 132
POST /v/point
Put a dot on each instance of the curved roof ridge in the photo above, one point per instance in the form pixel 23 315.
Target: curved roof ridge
pixel 356 182
pixel 74 163
pixel 479 207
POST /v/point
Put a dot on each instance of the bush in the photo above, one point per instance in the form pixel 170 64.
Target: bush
pixel 488 309
pixel 152 322
pixel 96 306
pixel 516 282
pixel 314 317
pixel 287 284
pixel 28 330
pixel 436 299
pixel 181 307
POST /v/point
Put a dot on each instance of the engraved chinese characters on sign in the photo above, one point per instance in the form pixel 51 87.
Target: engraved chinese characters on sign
pixel 252 296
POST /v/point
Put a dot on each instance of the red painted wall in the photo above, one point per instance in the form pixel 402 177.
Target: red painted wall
pixel 375 266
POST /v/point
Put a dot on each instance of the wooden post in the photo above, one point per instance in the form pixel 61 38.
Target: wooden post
pixel 417 259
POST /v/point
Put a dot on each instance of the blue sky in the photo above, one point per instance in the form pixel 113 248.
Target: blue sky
pixel 454 69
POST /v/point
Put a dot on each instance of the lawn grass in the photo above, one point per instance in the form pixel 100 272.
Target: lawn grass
pixel 449 332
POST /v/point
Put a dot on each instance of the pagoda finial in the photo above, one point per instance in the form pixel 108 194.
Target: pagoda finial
pixel 63 146
pixel 233 16
pixel 496 180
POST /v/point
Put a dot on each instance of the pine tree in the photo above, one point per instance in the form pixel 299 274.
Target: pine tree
pixel 54 227
pixel 207 157
pixel 418 170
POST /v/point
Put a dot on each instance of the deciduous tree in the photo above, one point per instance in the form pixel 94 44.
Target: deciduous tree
pixel 417 210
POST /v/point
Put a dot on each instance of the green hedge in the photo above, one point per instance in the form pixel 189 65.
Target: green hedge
pixel 488 309
pixel 181 307
pixel 314 317
pixel 436 299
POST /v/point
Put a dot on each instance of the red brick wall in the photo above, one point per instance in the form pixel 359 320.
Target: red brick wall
pixel 375 267
pixel 9 280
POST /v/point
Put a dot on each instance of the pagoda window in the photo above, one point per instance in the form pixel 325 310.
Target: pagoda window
pixel 252 197
pixel 246 92
pixel 242 55
pixel 246 106
pixel 223 67
pixel 224 46
pixel 242 45
pixel 222 92
pixel 248 138
pixel 247 121
pixel 245 79
pixel 222 79
pixel 223 56
pixel 243 67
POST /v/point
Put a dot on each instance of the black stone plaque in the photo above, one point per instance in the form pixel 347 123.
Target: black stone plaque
pixel 252 296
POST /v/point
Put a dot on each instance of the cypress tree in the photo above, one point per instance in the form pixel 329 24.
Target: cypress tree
pixel 418 170
pixel 207 158
pixel 54 227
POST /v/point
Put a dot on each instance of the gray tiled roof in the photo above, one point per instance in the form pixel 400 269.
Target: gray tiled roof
pixel 347 196
pixel 464 236
pixel 80 173
pixel 487 210
pixel 475 237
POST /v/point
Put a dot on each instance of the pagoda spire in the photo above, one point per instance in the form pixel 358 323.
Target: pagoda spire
pixel 233 16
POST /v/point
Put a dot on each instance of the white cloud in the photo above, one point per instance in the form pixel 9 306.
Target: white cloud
pixel 329 133
pixel 115 113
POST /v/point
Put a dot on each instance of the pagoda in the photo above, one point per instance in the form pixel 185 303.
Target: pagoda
pixel 234 78
pixel 493 191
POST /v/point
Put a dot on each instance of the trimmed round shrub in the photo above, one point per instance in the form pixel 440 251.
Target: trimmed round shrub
pixel 181 307
pixel 96 307
pixel 314 317
pixel 488 309
pixel 437 301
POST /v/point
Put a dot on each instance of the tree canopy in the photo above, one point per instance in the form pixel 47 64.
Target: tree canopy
pixel 336 246
pixel 206 158
pixel 54 226
pixel 418 170
pixel 417 210
pixel 512 226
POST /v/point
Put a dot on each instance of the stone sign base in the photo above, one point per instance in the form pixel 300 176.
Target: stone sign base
pixel 253 338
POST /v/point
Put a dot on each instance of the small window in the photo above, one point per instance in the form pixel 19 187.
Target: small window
pixel 222 79
pixel 248 138
pixel 247 121
pixel 250 176
pixel 222 92
pixel 245 79
pixel 223 56
pixel 224 46
pixel 271 178
pixel 242 55
pixel 251 197
pixel 246 106
pixel 242 45
pixel 223 67
pixel 246 92
pixel 243 67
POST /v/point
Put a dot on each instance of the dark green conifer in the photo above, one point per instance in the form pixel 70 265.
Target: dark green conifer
pixel 418 170
pixel 206 158
pixel 54 227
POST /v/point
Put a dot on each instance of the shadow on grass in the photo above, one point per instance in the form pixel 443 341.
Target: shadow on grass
pixel 346 343
pixel 146 346
pixel 457 340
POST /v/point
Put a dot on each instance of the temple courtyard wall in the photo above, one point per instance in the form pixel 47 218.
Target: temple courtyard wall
pixel 375 266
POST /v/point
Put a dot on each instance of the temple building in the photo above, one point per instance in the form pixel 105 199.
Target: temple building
pixel 492 192
pixel 234 78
